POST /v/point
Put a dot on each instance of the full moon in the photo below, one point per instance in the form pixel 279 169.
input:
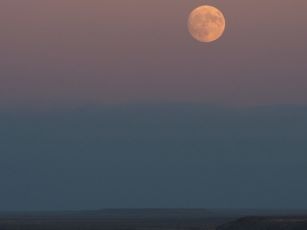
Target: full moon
pixel 206 23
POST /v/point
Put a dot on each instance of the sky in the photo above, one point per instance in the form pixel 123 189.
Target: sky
pixel 112 104
pixel 75 53
pixel 140 156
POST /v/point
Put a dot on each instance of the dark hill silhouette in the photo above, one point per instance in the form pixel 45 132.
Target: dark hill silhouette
pixel 267 223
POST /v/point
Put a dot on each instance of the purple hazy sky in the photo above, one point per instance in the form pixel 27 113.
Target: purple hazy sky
pixel 207 145
pixel 76 52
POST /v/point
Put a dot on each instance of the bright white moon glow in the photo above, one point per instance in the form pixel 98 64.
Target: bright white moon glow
pixel 206 23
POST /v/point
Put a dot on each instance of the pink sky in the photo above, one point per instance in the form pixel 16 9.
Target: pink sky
pixel 75 52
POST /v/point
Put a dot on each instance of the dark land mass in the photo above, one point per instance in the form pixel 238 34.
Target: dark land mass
pixel 147 219
pixel 267 223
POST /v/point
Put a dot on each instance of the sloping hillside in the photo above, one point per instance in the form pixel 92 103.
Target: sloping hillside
pixel 267 223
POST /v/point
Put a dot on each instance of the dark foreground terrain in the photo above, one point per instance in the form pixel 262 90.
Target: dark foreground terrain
pixel 147 219
pixel 267 223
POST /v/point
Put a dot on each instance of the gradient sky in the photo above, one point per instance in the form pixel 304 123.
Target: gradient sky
pixel 140 115
pixel 184 156
pixel 73 52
